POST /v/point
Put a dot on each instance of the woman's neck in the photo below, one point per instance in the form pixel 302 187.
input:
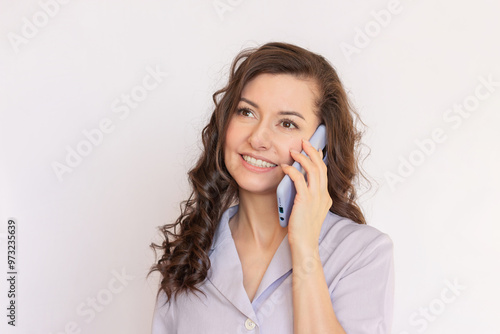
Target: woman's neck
pixel 257 223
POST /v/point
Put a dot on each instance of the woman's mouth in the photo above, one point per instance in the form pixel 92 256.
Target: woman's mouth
pixel 257 162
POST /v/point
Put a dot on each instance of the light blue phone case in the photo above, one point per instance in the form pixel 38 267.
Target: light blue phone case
pixel 286 190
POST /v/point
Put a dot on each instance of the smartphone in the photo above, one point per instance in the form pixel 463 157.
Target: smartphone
pixel 286 190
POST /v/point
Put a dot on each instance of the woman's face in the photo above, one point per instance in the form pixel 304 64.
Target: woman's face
pixel 274 114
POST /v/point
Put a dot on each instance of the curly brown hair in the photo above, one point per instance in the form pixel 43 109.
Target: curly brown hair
pixel 184 263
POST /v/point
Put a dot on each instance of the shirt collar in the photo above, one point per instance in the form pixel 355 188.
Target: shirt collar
pixel 225 262
pixel 223 232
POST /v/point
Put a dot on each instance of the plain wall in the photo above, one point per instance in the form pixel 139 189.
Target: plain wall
pixel 424 76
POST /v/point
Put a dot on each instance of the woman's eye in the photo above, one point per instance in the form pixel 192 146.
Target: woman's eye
pixel 245 112
pixel 288 124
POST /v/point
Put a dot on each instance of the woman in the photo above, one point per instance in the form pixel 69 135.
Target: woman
pixel 229 266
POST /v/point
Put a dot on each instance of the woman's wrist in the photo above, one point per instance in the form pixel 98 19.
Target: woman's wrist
pixel 304 252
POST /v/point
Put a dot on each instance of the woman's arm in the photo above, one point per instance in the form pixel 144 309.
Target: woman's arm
pixel 363 298
pixel 312 306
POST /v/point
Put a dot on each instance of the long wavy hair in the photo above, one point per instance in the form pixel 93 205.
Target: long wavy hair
pixel 184 263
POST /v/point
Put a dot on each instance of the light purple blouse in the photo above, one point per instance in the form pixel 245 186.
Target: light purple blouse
pixel 359 270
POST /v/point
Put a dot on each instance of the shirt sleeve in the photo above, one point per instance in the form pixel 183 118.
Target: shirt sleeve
pixel 364 296
pixel 159 324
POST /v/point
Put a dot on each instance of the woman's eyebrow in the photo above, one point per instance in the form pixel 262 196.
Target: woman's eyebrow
pixel 283 113
pixel 291 113
pixel 253 104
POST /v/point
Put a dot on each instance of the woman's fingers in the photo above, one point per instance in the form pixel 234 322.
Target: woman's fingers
pixel 312 200
pixel 298 179
pixel 309 168
pixel 314 154
pixel 313 165
pixel 316 157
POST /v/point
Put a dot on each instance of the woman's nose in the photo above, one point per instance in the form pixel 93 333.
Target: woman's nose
pixel 260 138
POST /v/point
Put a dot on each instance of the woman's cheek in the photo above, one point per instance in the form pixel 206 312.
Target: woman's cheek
pixel 297 146
pixel 287 157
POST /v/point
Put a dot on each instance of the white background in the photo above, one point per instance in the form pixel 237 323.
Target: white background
pixel 75 234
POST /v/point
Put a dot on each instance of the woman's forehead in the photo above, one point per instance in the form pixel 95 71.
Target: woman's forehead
pixel 281 91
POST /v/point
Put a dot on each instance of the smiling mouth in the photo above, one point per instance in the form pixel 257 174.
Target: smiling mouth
pixel 257 162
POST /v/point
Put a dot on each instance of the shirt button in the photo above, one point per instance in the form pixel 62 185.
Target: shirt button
pixel 249 324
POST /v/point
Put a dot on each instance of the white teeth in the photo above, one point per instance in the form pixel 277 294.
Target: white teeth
pixel 257 162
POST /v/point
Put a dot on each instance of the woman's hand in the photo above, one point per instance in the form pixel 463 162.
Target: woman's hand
pixel 312 200
pixel 312 305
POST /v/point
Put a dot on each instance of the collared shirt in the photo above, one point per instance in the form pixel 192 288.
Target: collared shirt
pixel 359 271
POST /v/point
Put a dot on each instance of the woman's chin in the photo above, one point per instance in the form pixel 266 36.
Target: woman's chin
pixel 257 190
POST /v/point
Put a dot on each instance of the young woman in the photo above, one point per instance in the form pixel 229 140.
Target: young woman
pixel 229 266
